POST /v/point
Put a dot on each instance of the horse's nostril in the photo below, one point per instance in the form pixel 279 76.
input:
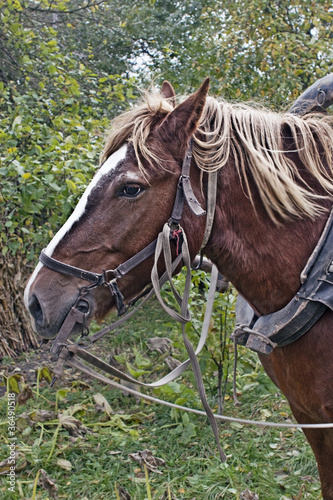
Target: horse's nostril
pixel 36 310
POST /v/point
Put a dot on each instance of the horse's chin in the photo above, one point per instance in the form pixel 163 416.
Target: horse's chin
pixel 50 333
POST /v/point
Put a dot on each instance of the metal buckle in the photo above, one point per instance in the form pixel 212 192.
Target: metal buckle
pixel 116 293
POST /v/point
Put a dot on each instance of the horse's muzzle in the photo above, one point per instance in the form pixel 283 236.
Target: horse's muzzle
pixel 48 319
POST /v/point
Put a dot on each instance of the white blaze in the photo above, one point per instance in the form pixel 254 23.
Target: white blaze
pixel 110 164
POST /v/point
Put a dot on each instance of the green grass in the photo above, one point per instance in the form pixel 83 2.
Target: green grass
pixel 87 463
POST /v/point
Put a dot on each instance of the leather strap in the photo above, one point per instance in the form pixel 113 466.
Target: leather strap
pixel 95 278
pixel 161 247
pixel 211 204
pixel 76 272
pixel 185 192
pixel 75 363
pixel 75 316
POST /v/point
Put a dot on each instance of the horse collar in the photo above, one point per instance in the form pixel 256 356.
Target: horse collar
pixel 262 334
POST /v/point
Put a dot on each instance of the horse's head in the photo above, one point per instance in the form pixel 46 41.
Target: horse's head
pixel 123 209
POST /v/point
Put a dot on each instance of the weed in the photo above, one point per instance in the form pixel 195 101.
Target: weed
pixel 80 436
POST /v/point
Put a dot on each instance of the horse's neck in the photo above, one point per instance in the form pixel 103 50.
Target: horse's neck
pixel 262 260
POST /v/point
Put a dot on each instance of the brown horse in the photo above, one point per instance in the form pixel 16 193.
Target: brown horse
pixel 274 194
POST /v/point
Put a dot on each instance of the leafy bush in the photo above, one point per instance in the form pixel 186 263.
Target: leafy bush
pixel 54 111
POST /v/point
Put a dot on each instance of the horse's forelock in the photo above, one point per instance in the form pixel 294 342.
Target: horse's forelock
pixel 136 124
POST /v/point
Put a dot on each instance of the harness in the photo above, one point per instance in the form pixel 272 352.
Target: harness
pixel 109 278
pixel 262 334
pixel 281 328
pixel 172 231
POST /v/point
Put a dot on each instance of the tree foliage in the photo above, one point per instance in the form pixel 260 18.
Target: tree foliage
pixel 68 66
pixel 54 110
pixel 259 49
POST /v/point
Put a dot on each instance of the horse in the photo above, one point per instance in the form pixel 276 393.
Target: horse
pixel 273 197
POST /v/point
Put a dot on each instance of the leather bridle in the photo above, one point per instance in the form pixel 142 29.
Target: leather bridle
pixel 109 278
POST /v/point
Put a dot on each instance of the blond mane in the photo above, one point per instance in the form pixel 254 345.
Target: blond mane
pixel 253 136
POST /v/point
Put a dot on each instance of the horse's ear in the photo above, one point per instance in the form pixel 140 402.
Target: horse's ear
pixel 168 92
pixel 185 117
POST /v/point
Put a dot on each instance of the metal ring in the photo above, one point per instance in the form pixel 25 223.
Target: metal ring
pixel 195 268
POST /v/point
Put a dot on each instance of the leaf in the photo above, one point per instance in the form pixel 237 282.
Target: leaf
pixel 42 416
pixel 5 466
pixel 172 363
pixel 91 154
pixel 101 401
pixel 14 27
pixel 61 393
pixel 188 433
pixel 52 69
pixel 142 362
pixel 264 414
pixel 13 381
pixel 48 484
pixel 20 463
pixel 64 464
pixel 74 426
pixel 146 457
pixel 159 344
pixel 136 373
pixel 25 395
pixel 17 121
pixel 72 410
pixel 81 384
pixel 248 495
pixel 44 373
pixel 71 185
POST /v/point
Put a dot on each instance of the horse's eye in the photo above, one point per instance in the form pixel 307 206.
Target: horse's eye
pixel 131 191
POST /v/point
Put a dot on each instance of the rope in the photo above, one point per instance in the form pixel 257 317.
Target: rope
pixel 75 363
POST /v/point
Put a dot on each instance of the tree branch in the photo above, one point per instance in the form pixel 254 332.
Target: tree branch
pixel 55 11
